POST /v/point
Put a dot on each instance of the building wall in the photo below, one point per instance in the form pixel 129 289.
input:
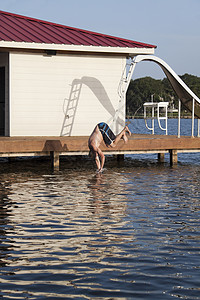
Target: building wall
pixel 63 94
pixel 4 62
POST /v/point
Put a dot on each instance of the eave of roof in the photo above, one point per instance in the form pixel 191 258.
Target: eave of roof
pixel 11 46
pixel 27 32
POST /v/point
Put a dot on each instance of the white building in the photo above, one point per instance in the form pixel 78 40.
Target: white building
pixel 56 80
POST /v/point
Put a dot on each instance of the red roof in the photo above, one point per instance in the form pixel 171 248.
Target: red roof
pixel 24 29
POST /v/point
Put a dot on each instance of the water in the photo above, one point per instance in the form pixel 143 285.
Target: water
pixel 129 233
pixel 138 126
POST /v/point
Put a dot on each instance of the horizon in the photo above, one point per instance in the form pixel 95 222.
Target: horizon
pixel 165 77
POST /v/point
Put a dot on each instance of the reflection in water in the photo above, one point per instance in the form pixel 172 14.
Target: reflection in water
pixel 129 233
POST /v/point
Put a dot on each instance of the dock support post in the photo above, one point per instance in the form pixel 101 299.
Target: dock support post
pixel 173 157
pixel 54 160
pixel 161 157
pixel 120 157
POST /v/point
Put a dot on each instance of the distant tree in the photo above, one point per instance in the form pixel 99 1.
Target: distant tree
pixel 193 82
pixel 140 91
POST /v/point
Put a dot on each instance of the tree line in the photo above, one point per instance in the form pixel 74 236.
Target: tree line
pixel 143 89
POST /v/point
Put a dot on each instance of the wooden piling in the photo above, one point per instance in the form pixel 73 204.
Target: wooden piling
pixel 173 157
pixel 55 161
pixel 120 157
pixel 161 157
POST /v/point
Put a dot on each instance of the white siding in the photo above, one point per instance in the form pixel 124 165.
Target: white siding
pixel 41 88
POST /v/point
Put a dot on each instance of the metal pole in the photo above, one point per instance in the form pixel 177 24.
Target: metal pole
pixel 166 119
pixel 193 117
pixel 152 124
pixel 179 118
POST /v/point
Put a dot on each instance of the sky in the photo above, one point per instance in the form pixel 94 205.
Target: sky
pixel 172 25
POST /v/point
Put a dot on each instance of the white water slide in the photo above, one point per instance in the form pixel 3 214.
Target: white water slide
pixel 187 97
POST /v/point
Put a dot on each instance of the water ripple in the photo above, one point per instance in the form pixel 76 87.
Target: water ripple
pixel 130 233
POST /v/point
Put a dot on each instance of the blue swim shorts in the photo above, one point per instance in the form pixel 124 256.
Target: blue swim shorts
pixel 107 134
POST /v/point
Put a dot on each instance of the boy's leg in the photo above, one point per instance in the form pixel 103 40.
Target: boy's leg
pixel 122 135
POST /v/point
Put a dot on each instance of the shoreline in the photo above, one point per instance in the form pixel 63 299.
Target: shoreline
pixel 169 117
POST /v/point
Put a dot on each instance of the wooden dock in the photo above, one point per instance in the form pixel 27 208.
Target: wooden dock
pixel 57 146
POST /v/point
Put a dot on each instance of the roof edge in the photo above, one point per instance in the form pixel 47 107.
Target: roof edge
pixel 76 48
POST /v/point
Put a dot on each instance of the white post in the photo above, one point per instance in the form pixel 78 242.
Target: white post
pixel 166 120
pixel 193 117
pixel 179 118
pixel 152 124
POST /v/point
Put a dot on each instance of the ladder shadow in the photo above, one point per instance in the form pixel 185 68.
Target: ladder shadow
pixel 71 107
pixel 72 102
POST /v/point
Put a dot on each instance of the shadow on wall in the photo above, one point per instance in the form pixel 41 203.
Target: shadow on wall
pixel 70 105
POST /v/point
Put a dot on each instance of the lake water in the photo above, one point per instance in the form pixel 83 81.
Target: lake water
pixel 129 233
